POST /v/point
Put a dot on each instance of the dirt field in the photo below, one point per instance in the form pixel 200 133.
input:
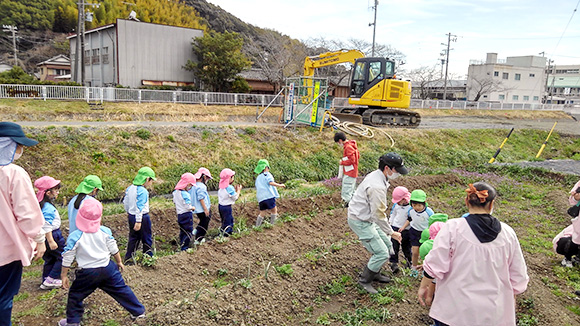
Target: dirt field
pixel 230 283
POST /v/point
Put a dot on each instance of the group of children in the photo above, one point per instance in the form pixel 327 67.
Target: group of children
pixel 567 242
pixel 413 218
pixel 92 245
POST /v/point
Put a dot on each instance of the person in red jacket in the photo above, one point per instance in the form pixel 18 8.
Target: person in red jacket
pixel 348 166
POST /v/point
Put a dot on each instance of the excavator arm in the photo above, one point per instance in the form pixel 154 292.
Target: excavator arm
pixel 329 59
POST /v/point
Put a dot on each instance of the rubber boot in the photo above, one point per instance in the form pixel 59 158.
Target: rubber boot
pixel 259 221
pixel 365 279
pixel 382 278
pixel 273 218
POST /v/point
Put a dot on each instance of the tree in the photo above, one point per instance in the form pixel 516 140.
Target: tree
pixel 220 59
pixel 276 56
pixel 485 85
pixel 423 78
pixel 27 14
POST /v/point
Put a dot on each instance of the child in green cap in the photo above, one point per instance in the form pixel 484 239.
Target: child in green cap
pixel 418 218
pixel 89 187
pixel 266 192
pixel 136 204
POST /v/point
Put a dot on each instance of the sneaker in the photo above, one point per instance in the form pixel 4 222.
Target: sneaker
pixel 139 320
pixel 566 263
pixel 63 322
pixel 51 283
pixel 394 268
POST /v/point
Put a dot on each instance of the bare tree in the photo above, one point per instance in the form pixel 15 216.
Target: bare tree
pixel 423 78
pixel 486 85
pixel 277 56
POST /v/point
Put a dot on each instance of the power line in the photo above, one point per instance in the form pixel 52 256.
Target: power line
pixel 566 28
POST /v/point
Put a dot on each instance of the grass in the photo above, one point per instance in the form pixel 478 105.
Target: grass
pixel 116 153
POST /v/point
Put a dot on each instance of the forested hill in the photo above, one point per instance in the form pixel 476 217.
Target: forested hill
pixel 44 24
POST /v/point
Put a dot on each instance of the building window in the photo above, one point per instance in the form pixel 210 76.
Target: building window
pixel 536 98
pixel 515 97
pixel 96 56
pixel 501 97
pixel 106 50
pixel 496 74
pixel 505 75
pixel 518 77
pixel 532 75
pixel 87 58
pixel 526 98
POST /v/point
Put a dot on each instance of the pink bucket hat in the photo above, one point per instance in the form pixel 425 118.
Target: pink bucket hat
pixel 225 176
pixel 186 179
pixel 89 215
pixel 201 172
pixel 400 193
pixel 434 229
pixel 43 184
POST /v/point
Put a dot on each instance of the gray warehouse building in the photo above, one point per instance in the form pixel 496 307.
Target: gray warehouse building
pixel 132 53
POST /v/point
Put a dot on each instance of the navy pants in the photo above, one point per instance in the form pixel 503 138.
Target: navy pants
pixel 406 247
pixel 53 258
pixel 201 228
pixel 10 277
pixel 227 217
pixel 108 279
pixel 143 235
pixel 185 222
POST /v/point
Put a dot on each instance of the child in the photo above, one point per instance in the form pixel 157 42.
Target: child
pixel 567 242
pixel 92 245
pixel 427 245
pixel 136 204
pixel 182 200
pixel 266 192
pixel 348 166
pixel 418 219
pixel 227 196
pixel 437 217
pixel 202 203
pixel 48 189
pixel 399 213
pixel 90 186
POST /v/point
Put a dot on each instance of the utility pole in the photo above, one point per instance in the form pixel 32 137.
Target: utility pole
pixel 449 40
pixel 79 57
pixel 374 24
pixel 13 29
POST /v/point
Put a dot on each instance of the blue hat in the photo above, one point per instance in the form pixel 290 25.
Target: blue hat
pixel 15 132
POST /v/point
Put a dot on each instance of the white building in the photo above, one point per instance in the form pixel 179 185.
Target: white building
pixel 134 54
pixel 563 84
pixel 514 80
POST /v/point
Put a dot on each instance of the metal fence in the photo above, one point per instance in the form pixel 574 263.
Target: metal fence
pixel 112 94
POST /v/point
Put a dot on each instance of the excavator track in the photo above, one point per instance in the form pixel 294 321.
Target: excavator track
pixel 384 117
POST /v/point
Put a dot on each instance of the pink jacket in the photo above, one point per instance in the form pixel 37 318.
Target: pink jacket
pixel 571 200
pixel 476 282
pixel 572 230
pixel 20 215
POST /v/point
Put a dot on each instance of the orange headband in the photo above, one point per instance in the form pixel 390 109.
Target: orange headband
pixel 481 194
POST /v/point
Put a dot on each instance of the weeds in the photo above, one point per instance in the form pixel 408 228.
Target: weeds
pixel 245 283
pixel 143 134
pixel 285 270
pixel 219 283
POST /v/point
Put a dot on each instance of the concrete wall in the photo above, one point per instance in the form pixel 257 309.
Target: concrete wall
pixel 154 52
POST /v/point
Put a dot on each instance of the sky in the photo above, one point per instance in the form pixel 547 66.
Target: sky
pixel 419 27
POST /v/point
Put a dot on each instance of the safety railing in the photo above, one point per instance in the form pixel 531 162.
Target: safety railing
pixel 113 94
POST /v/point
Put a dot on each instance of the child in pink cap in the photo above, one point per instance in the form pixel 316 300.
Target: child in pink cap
pixel 227 196
pixel 92 246
pixel 48 190
pixel 200 199
pixel 184 208
pixel 397 219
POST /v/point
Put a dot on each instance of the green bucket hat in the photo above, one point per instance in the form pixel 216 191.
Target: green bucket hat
pixel 89 184
pixel 425 248
pixel 438 217
pixel 142 175
pixel 262 164
pixel 418 195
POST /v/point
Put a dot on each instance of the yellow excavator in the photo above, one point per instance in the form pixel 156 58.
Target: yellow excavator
pixel 375 93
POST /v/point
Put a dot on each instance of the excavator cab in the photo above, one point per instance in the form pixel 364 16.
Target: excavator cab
pixel 368 72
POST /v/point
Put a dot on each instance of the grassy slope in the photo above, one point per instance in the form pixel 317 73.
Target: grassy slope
pixel 115 154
